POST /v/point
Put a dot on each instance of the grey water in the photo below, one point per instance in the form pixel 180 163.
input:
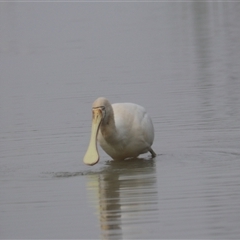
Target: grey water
pixel 180 60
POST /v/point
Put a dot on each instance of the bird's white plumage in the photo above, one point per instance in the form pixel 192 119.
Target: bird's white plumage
pixel 134 132
pixel 125 130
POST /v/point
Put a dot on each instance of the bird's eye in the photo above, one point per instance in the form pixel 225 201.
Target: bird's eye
pixel 102 107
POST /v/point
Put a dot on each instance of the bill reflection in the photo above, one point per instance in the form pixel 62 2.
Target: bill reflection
pixel 125 195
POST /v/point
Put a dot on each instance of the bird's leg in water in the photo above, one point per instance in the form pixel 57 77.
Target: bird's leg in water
pixel 152 152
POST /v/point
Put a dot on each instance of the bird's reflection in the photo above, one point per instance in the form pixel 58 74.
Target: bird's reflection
pixel 125 196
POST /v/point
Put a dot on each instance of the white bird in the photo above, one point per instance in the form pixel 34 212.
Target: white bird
pixel 123 130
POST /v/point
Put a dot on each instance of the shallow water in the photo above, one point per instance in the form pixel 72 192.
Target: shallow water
pixel 179 60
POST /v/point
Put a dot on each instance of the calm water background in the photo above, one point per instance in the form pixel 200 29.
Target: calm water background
pixel 181 61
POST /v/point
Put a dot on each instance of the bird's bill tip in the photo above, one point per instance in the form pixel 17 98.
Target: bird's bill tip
pixel 91 157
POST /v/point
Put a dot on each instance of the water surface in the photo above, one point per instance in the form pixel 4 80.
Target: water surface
pixel 179 60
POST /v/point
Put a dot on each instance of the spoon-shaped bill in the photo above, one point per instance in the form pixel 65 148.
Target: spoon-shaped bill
pixel 92 157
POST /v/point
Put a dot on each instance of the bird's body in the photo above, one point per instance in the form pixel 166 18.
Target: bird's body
pixel 133 133
pixel 123 130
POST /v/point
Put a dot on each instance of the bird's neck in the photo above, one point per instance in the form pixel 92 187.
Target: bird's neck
pixel 108 128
